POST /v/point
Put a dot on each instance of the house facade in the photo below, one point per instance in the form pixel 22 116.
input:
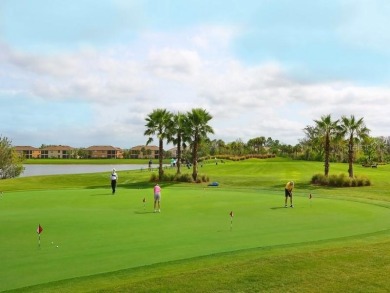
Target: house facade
pixel 28 152
pixel 144 152
pixel 173 152
pixel 104 152
pixel 56 152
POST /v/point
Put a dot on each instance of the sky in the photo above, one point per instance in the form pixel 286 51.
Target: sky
pixel 87 72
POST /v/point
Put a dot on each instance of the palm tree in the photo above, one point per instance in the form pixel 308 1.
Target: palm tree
pixel 326 130
pixel 354 130
pixel 178 134
pixel 197 124
pixel 256 144
pixel 158 123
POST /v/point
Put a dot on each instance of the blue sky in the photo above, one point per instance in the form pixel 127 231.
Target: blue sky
pixel 82 73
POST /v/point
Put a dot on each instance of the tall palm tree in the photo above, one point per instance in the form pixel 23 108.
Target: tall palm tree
pixel 178 135
pixel 198 127
pixel 158 123
pixel 256 144
pixel 354 130
pixel 326 130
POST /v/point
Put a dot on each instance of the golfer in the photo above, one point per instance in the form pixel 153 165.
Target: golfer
pixel 114 179
pixel 288 193
pixel 157 198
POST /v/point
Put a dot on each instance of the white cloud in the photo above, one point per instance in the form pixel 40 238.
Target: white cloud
pixel 123 84
pixel 174 64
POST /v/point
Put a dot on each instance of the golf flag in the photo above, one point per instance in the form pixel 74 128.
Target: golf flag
pixel 39 229
pixel 310 196
pixel 231 220
pixel 144 200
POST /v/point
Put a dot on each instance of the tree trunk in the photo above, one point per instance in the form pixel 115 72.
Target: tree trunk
pixel 327 151
pixel 195 161
pixel 160 160
pixel 178 159
pixel 350 158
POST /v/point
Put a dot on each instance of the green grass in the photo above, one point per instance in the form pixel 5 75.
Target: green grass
pixel 337 242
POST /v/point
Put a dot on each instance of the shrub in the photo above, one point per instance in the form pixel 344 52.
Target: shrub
pixel 168 177
pixel 340 180
pixel 184 178
pixel 154 177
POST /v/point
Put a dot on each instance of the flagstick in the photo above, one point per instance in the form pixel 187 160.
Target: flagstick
pixel 39 240
pixel 231 220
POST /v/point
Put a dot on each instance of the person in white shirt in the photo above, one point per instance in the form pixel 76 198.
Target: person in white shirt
pixel 114 180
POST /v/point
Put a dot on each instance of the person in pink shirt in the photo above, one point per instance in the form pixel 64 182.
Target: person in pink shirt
pixel 157 198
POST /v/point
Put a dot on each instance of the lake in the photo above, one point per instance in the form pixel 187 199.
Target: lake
pixel 35 170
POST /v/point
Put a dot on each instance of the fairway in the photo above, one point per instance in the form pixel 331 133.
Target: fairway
pixel 90 231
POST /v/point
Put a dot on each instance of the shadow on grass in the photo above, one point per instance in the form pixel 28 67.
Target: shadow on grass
pixel 144 212
pixel 135 185
pixel 102 194
pixel 276 208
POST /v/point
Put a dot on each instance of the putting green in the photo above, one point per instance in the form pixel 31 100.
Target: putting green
pixel 86 232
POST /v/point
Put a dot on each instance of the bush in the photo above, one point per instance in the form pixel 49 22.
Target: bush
pixel 179 178
pixel 154 177
pixel 184 178
pixel 340 180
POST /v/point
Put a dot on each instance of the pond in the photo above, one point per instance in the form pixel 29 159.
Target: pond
pixel 35 170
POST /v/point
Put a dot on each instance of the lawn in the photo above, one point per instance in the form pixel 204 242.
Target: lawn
pixel 95 241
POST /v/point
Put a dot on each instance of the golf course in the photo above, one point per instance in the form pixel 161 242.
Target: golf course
pixel 332 240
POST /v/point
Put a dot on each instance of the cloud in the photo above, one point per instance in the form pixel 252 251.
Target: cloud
pixel 121 84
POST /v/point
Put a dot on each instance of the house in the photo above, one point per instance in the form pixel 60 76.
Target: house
pixel 28 152
pixel 173 152
pixel 57 152
pixel 144 152
pixel 104 152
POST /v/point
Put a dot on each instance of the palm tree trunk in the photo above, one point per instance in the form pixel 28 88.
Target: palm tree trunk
pixel 195 161
pixel 178 159
pixel 160 160
pixel 350 158
pixel 327 151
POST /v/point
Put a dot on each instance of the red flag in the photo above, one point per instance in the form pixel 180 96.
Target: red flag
pixel 39 229
pixel 231 214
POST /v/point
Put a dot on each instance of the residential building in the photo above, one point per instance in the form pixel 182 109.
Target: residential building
pixel 57 152
pixel 104 152
pixel 28 152
pixel 173 152
pixel 144 152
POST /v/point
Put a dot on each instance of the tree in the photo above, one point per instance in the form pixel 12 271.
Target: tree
pixel 11 164
pixel 178 135
pixel 326 130
pixel 354 130
pixel 256 144
pixel 198 128
pixel 158 123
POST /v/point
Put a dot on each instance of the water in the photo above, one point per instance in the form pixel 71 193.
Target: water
pixel 35 170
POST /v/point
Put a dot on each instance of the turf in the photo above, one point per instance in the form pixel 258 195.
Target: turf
pixel 97 232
